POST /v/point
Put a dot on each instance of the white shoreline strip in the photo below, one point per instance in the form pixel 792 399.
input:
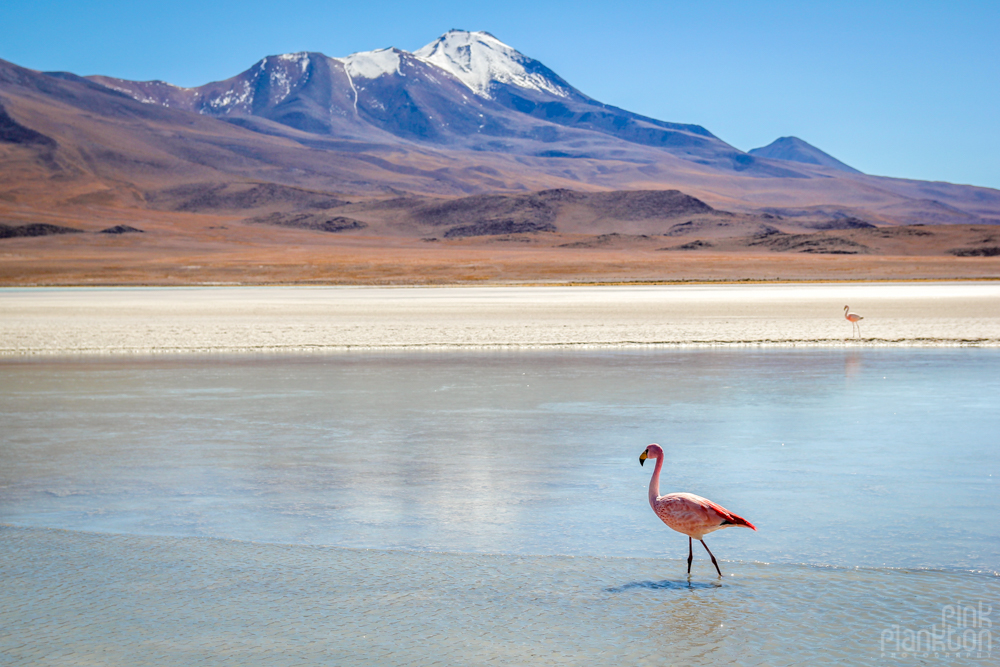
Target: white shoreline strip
pixel 302 351
pixel 280 320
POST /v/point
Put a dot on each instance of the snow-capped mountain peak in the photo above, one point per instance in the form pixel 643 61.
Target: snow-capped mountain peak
pixel 480 60
pixel 464 88
pixel 372 64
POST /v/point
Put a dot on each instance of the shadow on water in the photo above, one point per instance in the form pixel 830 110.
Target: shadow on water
pixel 666 584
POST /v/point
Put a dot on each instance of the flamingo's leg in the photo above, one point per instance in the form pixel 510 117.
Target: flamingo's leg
pixel 714 562
pixel 690 553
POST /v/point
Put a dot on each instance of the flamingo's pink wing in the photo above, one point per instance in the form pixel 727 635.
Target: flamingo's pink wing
pixel 729 517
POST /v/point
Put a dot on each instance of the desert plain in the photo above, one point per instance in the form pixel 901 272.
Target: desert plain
pixel 173 248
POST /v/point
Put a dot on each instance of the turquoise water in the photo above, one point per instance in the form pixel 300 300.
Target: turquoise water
pixel 489 508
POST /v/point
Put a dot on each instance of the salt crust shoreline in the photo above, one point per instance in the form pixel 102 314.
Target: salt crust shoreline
pixel 103 322
pixel 193 353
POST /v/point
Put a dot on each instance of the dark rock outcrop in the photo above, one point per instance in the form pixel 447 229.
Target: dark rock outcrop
pixel 320 222
pixel 35 229
pixel 121 229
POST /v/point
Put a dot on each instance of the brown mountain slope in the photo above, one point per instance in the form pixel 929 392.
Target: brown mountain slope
pixel 105 147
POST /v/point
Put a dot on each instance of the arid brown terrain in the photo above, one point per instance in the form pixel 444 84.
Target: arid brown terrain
pixel 523 238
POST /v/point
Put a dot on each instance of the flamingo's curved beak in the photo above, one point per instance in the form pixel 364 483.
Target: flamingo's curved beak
pixel 643 457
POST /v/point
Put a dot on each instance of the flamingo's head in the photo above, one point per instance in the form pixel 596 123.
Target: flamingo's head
pixel 846 308
pixel 654 451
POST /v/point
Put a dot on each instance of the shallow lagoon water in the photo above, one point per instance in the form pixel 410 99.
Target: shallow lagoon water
pixel 479 474
pixel 855 458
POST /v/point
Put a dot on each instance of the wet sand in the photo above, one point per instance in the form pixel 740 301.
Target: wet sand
pixel 98 321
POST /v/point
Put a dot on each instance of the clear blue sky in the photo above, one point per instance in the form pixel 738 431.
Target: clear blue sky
pixel 908 89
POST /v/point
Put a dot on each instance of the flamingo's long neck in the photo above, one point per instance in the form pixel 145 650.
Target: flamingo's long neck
pixel 654 483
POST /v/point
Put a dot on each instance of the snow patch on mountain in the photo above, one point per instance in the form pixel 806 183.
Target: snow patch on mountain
pixel 480 60
pixel 239 96
pixel 300 59
pixel 135 94
pixel 372 64
pixel 281 85
pixel 148 92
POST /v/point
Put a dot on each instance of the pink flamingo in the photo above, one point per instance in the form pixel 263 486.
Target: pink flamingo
pixel 687 513
pixel 853 318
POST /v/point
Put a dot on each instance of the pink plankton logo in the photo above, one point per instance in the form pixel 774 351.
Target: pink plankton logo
pixel 965 631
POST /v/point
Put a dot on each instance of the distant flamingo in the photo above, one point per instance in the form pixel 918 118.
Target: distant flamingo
pixel 853 318
pixel 687 513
